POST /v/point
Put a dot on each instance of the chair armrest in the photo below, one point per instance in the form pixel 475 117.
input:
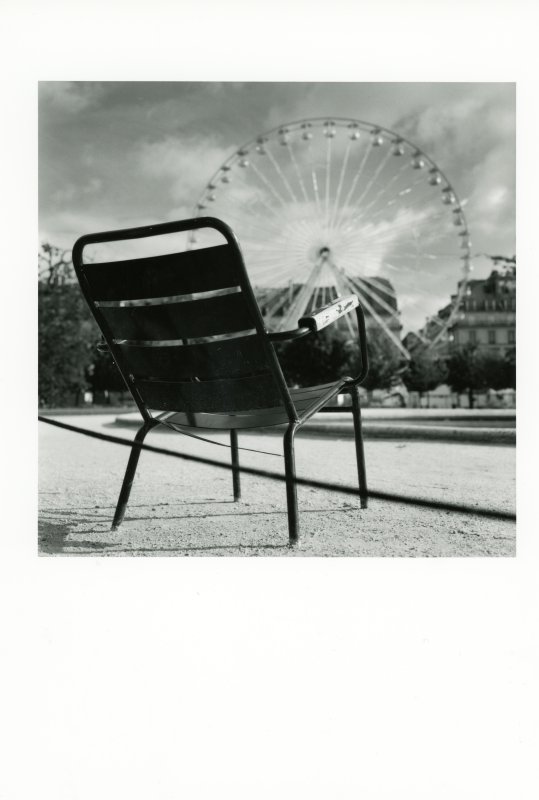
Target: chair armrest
pixel 362 348
pixel 282 336
pixel 324 316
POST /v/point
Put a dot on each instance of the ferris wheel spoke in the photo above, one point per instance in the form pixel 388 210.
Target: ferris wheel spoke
pixel 385 189
pixel 404 193
pixel 391 230
pixel 368 151
pixel 315 189
pixel 443 326
pixel 373 178
pixel 280 263
pixel 376 288
pixel 297 171
pixel 282 297
pixel 298 306
pixel 380 288
pixel 340 184
pixel 368 287
pixel 248 222
pixel 266 258
pixel 269 185
pixel 328 181
pixel 341 283
pixel 281 175
pixel 428 195
pixel 264 262
pixel 426 256
pixel 269 266
pixel 350 207
pixel 278 274
pixel 277 214
pixel 381 322
pixel 245 213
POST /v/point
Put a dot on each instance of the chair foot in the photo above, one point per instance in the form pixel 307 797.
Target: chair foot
pixel 360 453
pixel 236 485
pixel 291 493
pixel 294 544
pixel 129 476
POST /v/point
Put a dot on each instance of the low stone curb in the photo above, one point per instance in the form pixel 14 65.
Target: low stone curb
pixel 371 430
pixel 436 433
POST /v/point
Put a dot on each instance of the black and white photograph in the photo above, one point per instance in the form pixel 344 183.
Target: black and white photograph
pixel 312 284
pixel 266 529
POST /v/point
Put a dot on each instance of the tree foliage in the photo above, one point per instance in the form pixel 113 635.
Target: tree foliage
pixel 314 359
pixel 474 370
pixel 385 361
pixel 66 332
pixel 331 354
pixel 424 372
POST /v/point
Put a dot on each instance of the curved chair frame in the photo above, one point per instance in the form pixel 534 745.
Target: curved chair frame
pixel 293 407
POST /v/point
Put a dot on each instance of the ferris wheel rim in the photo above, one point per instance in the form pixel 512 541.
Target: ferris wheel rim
pixel 371 128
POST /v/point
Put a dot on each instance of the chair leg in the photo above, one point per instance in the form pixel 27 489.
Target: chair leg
pixel 235 464
pixel 360 454
pixel 291 493
pixel 129 476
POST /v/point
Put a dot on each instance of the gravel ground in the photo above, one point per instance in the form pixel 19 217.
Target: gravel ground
pixel 182 508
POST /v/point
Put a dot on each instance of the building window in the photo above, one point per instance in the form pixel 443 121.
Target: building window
pixel 511 336
pixel 472 337
pixel 492 337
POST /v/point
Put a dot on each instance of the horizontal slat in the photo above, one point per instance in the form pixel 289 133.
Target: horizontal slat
pixel 227 422
pixel 197 318
pixel 179 273
pixel 229 358
pixel 173 298
pixel 232 395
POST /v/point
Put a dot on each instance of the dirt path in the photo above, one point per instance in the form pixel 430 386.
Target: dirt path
pixel 180 508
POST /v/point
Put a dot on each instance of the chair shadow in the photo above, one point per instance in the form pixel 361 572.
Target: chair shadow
pixel 52 539
pixel 53 535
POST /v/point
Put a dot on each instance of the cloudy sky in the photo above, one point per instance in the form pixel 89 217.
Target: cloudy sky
pixel 119 154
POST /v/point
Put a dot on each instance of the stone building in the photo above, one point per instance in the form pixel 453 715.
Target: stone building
pixel 487 317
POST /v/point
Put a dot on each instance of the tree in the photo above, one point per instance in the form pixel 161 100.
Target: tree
pixel 314 359
pixel 472 370
pixel 331 354
pixel 103 375
pixel 54 265
pixel 385 361
pixel 424 372
pixel 67 331
pixel 511 368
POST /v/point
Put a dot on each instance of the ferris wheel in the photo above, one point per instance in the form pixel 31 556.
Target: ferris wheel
pixel 325 207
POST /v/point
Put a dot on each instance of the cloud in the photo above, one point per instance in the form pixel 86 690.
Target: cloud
pixel 472 139
pixel 71 96
pixel 184 165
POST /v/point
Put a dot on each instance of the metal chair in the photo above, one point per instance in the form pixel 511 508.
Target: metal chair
pixel 188 337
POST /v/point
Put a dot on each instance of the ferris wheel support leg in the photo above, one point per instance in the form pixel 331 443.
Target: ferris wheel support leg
pixel 291 493
pixel 360 454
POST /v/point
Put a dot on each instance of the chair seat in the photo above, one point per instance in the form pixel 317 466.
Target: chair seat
pixel 306 401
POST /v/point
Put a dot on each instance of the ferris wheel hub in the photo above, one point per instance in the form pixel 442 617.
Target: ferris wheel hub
pixel 324 205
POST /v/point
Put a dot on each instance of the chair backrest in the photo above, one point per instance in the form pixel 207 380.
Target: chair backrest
pixel 184 329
